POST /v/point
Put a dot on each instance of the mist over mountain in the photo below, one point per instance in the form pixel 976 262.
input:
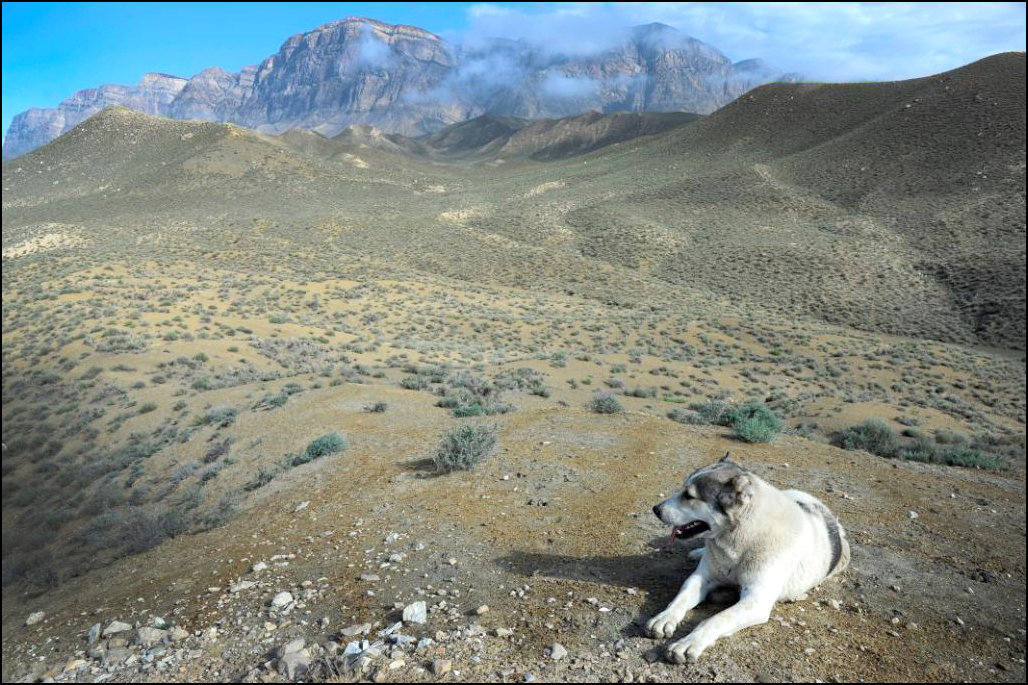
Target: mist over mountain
pixel 402 79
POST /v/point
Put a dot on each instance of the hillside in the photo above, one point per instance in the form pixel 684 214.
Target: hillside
pixel 232 359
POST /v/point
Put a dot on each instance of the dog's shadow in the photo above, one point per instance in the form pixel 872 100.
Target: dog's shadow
pixel 658 574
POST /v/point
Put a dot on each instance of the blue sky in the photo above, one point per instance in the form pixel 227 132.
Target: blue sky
pixel 50 50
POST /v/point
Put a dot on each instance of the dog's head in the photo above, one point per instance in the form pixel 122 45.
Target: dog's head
pixel 709 500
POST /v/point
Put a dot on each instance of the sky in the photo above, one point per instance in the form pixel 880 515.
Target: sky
pixel 51 50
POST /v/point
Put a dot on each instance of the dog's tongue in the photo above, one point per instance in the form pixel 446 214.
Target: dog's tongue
pixel 674 535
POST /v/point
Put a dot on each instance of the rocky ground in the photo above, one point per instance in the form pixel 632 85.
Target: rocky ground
pixel 540 566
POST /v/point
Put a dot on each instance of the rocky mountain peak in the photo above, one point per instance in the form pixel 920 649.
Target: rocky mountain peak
pixel 403 79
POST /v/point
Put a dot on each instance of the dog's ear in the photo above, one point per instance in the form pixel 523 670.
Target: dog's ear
pixel 737 492
pixel 727 457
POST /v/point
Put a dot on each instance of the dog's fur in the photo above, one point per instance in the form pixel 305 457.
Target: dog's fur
pixel 772 544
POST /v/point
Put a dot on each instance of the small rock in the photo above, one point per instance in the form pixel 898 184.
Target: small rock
pixel 442 666
pixel 149 637
pixel 301 506
pixel 290 647
pixel 34 618
pixel 116 656
pixel 282 600
pixel 115 627
pixel 504 632
pixel 558 652
pixel 177 634
pixel 356 630
pixel 259 566
pixel 241 585
pixel 484 609
pixel 75 665
pixel 94 633
pixel 416 612
pixel 912 514
pixel 294 666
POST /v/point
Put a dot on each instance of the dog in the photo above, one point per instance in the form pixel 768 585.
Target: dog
pixel 774 545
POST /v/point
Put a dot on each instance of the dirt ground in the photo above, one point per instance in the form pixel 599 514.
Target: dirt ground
pixel 554 534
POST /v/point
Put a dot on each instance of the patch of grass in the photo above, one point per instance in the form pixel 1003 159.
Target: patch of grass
pixel 465 446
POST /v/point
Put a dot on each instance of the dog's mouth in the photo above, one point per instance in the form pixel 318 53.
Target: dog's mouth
pixel 689 530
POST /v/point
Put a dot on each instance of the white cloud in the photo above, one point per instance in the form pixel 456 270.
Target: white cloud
pixel 836 41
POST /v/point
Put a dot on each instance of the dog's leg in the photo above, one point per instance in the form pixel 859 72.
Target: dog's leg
pixel 753 608
pixel 693 591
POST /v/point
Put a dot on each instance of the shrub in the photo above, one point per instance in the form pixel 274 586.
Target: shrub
pixel 755 422
pixel 414 382
pixel 926 451
pixel 718 412
pixel 221 416
pixel 686 416
pixel 376 408
pixel 872 436
pixel 465 446
pixel 605 403
pixel 751 422
pixel 321 446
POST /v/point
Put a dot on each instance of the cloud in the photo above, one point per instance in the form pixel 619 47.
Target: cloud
pixel 843 41
pixel 371 51
pixel 557 84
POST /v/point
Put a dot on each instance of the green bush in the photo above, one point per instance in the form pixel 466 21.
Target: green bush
pixel 321 446
pixel 755 422
pixel 465 446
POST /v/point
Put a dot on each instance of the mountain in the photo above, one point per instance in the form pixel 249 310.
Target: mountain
pixel 405 80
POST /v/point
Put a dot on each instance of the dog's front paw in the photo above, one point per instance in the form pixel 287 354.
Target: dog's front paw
pixel 663 624
pixel 688 649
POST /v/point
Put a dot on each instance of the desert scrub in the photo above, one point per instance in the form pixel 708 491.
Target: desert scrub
pixel 221 416
pixel 604 403
pixel 718 412
pixel 872 436
pixel 876 437
pixel 376 407
pixel 321 446
pixel 465 446
pixel 750 422
pixel 755 422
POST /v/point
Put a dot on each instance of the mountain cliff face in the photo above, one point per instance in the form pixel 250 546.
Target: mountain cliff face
pixel 404 80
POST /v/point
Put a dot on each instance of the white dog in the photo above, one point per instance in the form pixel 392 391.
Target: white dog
pixel 772 544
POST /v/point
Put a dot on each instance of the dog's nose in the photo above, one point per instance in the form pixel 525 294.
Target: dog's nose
pixel 656 510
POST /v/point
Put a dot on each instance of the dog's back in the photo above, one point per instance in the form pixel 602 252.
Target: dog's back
pixel 825 520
